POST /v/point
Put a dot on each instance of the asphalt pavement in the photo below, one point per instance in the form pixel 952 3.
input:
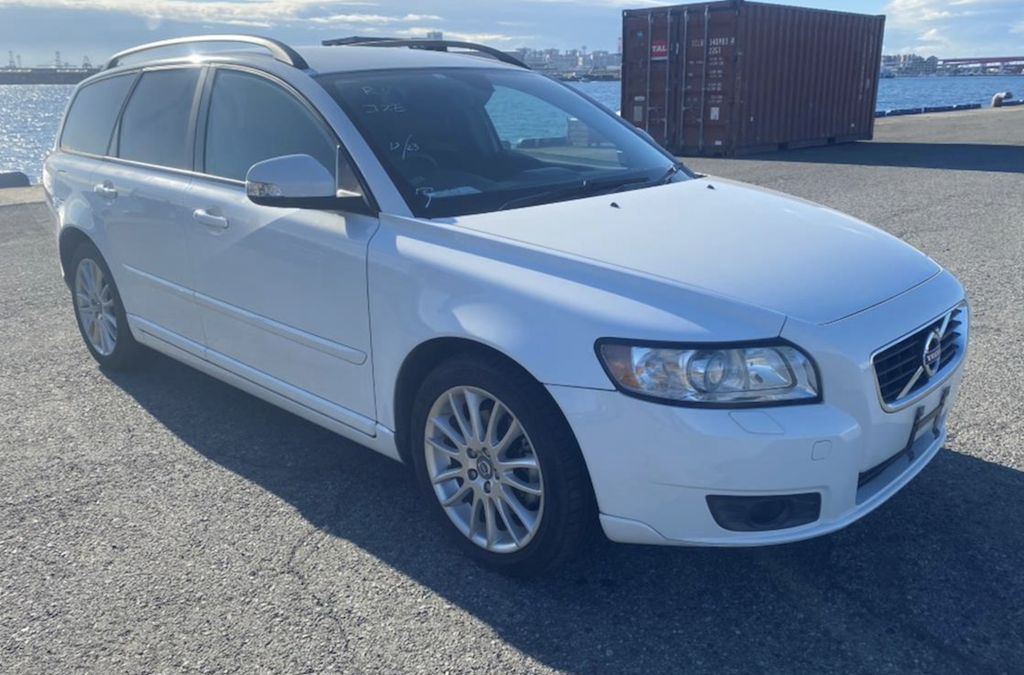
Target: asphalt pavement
pixel 162 522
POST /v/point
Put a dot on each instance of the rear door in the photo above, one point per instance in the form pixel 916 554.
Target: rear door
pixel 85 138
pixel 142 193
pixel 282 291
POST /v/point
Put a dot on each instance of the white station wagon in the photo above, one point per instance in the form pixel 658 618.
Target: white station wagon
pixel 479 271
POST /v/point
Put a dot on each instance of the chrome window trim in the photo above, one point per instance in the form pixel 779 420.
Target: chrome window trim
pixel 155 167
pixel 935 383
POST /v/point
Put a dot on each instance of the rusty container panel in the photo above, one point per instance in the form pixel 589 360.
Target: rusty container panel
pixel 732 77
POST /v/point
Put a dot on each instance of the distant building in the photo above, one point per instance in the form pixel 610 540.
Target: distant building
pixel 572 62
pixel 605 60
pixel 435 35
pixel 909 64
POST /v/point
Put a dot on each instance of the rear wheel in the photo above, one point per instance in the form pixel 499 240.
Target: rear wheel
pixel 99 311
pixel 500 466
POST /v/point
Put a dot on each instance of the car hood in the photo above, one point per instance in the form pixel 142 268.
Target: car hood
pixel 754 245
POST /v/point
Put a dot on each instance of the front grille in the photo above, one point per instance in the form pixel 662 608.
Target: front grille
pixel 902 363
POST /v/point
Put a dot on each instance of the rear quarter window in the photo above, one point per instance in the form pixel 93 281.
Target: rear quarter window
pixel 90 121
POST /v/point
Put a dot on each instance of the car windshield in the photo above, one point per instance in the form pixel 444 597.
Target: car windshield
pixel 458 141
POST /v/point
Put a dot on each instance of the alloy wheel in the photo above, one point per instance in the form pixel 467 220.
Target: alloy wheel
pixel 483 469
pixel 94 299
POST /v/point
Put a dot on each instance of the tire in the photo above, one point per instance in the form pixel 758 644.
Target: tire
pixel 113 346
pixel 555 523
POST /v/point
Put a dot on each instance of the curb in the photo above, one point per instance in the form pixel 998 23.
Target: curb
pixel 899 112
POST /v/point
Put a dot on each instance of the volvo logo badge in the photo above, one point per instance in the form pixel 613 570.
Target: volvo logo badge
pixel 484 468
pixel 932 353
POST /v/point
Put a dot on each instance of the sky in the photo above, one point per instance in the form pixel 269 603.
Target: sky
pixel 97 28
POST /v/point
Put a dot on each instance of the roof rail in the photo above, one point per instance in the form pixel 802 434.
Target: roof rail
pixel 278 49
pixel 432 45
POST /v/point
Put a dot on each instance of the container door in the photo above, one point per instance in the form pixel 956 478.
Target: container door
pixel 708 82
pixel 636 67
pixel 679 76
pixel 651 72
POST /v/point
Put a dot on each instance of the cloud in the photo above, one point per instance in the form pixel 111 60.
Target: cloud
pixel 961 27
pixel 915 13
pixel 951 28
pixel 242 12
pixel 625 4
pixel 480 38
pixel 374 18
pixel 291 17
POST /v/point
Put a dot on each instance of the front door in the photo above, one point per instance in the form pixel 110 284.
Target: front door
pixel 282 292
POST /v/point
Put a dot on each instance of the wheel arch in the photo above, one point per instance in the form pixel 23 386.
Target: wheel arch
pixel 421 361
pixel 70 239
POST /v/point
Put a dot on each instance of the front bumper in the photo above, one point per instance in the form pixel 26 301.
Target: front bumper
pixel 654 466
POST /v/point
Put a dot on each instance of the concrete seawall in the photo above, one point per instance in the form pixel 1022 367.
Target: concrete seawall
pixel 21 195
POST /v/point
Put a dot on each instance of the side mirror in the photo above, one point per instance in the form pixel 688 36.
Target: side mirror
pixel 298 181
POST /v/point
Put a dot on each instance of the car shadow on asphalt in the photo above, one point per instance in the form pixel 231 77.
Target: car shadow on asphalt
pixel 951 156
pixel 932 581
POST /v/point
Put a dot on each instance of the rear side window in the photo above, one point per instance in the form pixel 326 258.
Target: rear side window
pixel 252 119
pixel 90 120
pixel 155 124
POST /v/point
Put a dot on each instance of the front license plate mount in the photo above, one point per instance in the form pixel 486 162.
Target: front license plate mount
pixel 922 420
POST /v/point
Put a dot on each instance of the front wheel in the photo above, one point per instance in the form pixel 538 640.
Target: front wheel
pixel 500 465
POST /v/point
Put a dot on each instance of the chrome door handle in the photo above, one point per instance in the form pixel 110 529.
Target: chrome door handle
pixel 106 190
pixel 210 220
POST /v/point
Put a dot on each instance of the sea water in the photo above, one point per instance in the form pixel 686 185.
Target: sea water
pixel 30 114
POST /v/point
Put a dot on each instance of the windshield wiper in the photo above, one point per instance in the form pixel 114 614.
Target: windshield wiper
pixel 581 189
pixel 588 188
pixel 664 179
pixel 670 173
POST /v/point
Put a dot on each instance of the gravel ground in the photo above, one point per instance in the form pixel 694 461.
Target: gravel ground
pixel 162 522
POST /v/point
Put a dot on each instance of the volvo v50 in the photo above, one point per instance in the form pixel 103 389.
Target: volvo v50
pixel 480 272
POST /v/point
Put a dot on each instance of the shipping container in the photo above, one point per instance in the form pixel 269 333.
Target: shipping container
pixel 736 77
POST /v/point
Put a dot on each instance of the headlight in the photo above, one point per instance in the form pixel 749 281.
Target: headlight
pixel 732 376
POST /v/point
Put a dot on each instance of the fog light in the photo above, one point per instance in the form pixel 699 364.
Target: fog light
pixel 766 512
pixel 762 513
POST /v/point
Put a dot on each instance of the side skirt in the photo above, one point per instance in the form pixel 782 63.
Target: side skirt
pixel 348 424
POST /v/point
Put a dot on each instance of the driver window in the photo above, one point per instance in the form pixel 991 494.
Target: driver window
pixel 252 119
pixel 537 128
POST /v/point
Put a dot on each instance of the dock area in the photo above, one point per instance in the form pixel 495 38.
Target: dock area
pixel 161 521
